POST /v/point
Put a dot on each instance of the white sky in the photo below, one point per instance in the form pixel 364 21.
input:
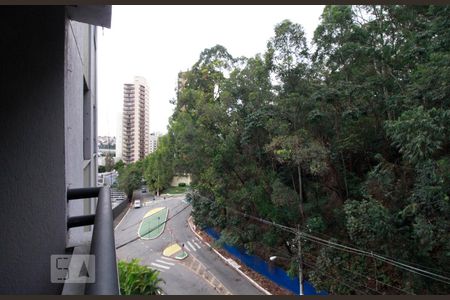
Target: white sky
pixel 159 41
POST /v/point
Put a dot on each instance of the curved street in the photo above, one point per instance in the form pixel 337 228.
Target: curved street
pixel 201 273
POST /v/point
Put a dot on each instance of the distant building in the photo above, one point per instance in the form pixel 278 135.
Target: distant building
pixel 107 178
pixel 154 137
pixel 135 120
pixel 181 178
pixel 119 137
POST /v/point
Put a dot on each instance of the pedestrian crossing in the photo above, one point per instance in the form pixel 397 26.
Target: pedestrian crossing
pixel 192 245
pixel 162 263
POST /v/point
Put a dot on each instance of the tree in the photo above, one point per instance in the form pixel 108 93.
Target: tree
pixel 158 166
pixel 109 162
pixel 349 139
pixel 130 178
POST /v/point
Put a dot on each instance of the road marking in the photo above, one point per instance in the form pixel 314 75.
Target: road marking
pixel 167 258
pixel 191 246
pixel 160 266
pixel 196 244
pixel 171 250
pixel 165 262
pixel 187 247
pixel 153 211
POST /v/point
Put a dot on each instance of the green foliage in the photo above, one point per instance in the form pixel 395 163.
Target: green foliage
pixel 419 133
pixel 130 178
pixel 109 162
pixel 135 279
pixel 119 165
pixel 368 223
pixel 348 140
pixel 158 166
pixel 315 224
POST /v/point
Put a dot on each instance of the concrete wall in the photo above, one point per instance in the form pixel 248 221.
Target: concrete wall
pixel 48 129
pixel 80 120
pixel 181 179
pixel 32 159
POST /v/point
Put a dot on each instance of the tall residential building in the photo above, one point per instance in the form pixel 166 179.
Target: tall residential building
pixel 154 136
pixel 135 121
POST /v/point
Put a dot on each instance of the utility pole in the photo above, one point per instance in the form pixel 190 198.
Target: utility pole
pixel 300 268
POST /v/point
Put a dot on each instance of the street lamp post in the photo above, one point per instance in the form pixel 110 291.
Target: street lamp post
pixel 300 270
pixel 300 262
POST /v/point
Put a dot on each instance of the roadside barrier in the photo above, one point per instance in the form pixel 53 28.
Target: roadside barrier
pixel 257 264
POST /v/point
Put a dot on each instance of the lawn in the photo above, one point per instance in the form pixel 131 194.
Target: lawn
pixel 176 190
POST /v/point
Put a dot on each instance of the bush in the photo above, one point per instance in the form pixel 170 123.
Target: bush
pixel 138 280
pixel 182 184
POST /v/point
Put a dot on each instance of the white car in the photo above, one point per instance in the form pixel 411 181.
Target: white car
pixel 137 203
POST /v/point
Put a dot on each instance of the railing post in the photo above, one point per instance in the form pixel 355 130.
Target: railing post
pixel 103 247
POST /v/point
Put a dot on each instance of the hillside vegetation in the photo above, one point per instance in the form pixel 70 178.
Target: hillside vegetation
pixel 347 139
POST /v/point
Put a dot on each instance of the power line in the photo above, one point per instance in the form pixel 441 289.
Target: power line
pixel 359 284
pixel 338 264
pixel 341 247
pixel 154 228
pixel 340 281
pixel 380 257
pixel 365 276
pixel 400 260
pixel 144 219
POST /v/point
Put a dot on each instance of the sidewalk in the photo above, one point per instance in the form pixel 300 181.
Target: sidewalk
pixel 259 281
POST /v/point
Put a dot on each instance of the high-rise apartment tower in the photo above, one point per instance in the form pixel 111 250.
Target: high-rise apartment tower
pixel 135 121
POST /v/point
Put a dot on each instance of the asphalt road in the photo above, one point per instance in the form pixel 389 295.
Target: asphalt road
pixel 179 280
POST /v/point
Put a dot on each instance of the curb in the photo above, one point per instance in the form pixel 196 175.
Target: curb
pixel 203 272
pixel 233 265
pixel 123 218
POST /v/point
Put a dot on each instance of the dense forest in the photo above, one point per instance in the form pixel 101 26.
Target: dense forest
pixel 345 138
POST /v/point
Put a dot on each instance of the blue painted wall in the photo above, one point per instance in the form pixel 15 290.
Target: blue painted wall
pixel 275 274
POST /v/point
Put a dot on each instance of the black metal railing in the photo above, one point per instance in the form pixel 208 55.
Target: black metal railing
pixel 102 244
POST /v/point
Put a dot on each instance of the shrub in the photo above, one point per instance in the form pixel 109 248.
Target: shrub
pixel 182 184
pixel 138 280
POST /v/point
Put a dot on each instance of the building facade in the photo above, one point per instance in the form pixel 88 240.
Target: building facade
pixel 48 123
pixel 119 132
pixel 154 137
pixel 135 120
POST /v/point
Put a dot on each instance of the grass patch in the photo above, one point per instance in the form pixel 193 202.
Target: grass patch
pixel 176 190
pixel 151 227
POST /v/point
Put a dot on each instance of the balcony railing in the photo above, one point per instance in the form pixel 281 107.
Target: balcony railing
pixel 102 244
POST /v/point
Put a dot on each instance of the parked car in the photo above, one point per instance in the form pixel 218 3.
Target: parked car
pixel 137 203
pixel 144 190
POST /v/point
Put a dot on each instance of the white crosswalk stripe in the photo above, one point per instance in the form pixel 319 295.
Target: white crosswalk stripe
pixel 186 246
pixel 160 266
pixel 167 258
pixel 165 262
pixel 191 246
pixel 196 244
